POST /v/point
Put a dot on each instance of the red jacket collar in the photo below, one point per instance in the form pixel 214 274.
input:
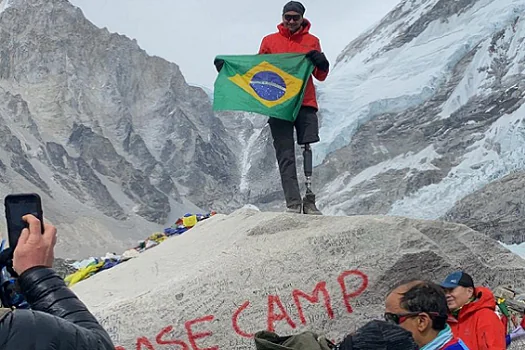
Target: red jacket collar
pixel 305 29
pixel 484 300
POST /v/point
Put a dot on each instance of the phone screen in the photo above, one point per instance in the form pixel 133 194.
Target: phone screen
pixel 16 209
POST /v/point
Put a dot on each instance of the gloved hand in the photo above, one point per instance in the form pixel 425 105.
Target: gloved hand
pixel 218 64
pixel 318 59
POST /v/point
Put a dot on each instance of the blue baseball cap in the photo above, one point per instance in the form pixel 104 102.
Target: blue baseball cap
pixel 458 279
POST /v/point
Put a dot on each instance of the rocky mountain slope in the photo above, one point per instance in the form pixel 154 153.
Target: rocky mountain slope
pixel 419 112
pixel 113 139
pixel 497 209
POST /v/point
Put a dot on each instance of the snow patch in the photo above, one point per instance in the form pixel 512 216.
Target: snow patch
pixel 517 47
pixel 251 207
pixel 472 84
pixel 500 152
pixel 246 161
pixel 421 161
pixel 4 4
pixel 518 249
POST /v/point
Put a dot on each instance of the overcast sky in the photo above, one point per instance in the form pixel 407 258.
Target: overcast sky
pixel 192 32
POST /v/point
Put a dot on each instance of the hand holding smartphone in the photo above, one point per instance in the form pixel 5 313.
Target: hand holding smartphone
pixel 16 206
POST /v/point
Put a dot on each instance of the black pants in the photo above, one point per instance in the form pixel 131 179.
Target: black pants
pixel 307 127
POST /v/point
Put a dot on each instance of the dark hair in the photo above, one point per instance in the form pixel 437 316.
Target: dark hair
pixel 427 297
pixel 379 335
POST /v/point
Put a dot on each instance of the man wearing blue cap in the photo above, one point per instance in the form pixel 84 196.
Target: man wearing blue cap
pixel 473 313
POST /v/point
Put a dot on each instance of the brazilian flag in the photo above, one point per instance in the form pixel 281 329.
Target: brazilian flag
pixel 270 84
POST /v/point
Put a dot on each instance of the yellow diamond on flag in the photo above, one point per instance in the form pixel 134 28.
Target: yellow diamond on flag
pixel 271 84
pixel 268 84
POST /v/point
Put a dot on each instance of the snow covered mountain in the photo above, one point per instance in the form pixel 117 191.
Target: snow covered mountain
pixel 425 108
pixel 420 112
pixel 114 140
pixel 419 116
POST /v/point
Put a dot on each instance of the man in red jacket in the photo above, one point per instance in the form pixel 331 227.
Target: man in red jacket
pixel 473 313
pixel 294 36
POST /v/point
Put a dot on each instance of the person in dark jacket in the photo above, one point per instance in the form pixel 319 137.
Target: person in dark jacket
pixel 294 36
pixel 57 320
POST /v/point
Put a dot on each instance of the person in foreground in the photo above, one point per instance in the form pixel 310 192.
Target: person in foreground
pixel 473 313
pixel 58 320
pixel 294 36
pixel 421 308
pixel 378 335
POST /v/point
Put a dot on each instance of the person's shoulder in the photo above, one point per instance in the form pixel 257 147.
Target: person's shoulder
pixel 271 35
pixel 487 316
pixel 19 320
pixel 313 36
pixel 312 39
pixel 308 30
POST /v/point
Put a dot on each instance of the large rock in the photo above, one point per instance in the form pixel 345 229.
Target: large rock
pixel 233 275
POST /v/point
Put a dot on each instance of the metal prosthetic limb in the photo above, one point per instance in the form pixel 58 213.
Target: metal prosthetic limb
pixel 309 206
pixel 308 166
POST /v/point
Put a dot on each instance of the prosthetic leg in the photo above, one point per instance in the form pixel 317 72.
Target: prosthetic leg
pixel 309 199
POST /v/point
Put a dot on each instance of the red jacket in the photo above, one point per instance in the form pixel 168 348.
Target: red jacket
pixel 301 42
pixel 478 325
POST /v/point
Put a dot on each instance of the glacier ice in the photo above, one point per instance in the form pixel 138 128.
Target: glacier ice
pixel 375 81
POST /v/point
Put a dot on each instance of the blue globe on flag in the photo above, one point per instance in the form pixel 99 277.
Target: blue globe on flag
pixel 268 85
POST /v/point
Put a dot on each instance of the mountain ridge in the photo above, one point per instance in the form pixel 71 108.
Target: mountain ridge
pixel 418 112
pixel 124 147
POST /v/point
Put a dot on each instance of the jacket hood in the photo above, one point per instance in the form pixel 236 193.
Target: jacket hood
pixel 286 32
pixel 484 300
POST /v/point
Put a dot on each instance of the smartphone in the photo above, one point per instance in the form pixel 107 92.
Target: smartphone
pixel 16 206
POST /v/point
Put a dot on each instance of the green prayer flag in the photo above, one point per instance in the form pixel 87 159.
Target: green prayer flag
pixel 271 84
pixel 503 308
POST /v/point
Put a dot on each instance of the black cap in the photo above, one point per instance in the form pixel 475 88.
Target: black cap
pixel 456 279
pixel 295 6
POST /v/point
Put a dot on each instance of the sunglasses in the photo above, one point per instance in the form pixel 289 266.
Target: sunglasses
pixel 400 318
pixel 294 17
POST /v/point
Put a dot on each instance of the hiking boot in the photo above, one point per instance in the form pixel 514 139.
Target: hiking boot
pixel 309 205
pixel 295 209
